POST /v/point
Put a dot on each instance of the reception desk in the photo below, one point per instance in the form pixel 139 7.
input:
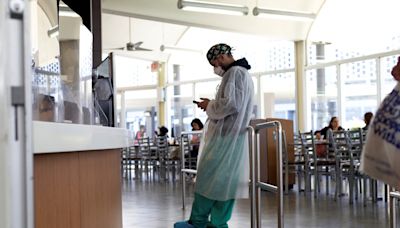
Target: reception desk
pixel 77 180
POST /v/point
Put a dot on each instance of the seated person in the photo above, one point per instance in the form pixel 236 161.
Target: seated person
pixel 140 134
pixel 46 108
pixel 318 135
pixel 197 125
pixel 333 125
pixel 162 131
pixel 367 119
pixel 320 148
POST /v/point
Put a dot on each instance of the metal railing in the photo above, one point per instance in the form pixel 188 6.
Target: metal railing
pixel 256 184
pixel 183 170
pixel 393 196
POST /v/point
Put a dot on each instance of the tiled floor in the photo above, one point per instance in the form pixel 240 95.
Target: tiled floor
pixel 157 204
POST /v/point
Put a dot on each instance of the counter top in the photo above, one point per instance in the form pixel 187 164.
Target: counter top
pixel 49 137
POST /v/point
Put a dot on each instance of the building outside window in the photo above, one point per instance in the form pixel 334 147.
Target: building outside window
pixel 278 96
pixel 322 97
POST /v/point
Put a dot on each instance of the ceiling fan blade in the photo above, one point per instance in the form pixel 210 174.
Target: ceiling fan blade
pixel 137 44
pixel 141 49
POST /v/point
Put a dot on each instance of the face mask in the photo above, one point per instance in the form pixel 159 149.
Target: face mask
pixel 219 71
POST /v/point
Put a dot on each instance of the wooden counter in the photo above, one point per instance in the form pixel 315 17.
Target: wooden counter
pixel 77 189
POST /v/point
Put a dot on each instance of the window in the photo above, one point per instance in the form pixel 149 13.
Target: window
pixel 278 96
pixel 388 83
pixel 133 72
pixel 359 92
pixel 322 98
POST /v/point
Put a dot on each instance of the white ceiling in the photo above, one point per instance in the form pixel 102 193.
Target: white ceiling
pixel 355 23
pixel 160 22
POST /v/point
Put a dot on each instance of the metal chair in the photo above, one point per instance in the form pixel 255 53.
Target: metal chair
pixel 318 164
pixel 300 164
pixel 147 156
pixel 347 146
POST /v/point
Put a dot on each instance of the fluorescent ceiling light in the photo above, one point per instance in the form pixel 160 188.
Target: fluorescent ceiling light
pixel 280 14
pixel 166 48
pixel 208 7
pixel 53 32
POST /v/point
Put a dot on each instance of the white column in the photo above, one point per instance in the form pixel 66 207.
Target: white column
pixel 301 96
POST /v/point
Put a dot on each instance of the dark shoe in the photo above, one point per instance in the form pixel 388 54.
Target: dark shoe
pixel 183 224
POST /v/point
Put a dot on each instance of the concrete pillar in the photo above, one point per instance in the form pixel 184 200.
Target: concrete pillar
pixel 161 95
pixel 301 106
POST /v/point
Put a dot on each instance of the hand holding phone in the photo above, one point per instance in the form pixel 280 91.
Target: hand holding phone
pixel 203 104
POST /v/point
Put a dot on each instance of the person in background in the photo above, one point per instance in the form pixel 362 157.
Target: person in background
pixel 367 119
pixel 320 148
pixel 46 108
pixel 223 169
pixel 197 125
pixel 162 131
pixel 140 134
pixel 318 135
pixel 333 125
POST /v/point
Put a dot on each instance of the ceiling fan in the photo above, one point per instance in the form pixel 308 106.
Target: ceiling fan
pixel 130 46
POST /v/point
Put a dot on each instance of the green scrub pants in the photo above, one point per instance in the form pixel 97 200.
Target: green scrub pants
pixel 203 207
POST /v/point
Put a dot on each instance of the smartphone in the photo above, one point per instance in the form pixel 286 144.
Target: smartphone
pixel 196 102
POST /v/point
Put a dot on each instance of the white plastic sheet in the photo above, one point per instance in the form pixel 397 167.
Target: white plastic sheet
pixel 223 169
pixel 381 153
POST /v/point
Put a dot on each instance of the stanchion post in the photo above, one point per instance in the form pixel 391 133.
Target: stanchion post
pixel 279 175
pixel 182 173
pixel 392 212
pixel 277 189
pixel 257 178
pixel 252 177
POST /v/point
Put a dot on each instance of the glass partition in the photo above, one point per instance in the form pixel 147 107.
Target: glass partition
pixel 62 62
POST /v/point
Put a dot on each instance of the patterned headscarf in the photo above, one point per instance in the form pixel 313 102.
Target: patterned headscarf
pixel 216 50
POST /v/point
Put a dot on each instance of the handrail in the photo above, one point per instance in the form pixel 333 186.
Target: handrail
pixel 392 208
pixel 253 201
pixel 183 170
pixel 265 125
pixel 257 185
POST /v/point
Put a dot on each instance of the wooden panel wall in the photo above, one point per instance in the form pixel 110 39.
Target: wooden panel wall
pixel 78 190
pixel 100 184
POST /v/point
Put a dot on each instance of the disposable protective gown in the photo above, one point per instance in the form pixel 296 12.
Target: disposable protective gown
pixel 223 169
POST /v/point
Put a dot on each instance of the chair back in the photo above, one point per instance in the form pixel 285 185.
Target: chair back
pixel 162 147
pixel 144 147
pixel 308 145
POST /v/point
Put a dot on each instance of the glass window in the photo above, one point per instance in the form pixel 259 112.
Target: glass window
pixel 359 90
pixel 277 100
pixel 133 72
pixel 204 90
pixel 322 97
pixel 141 106
pixel 388 83
pixel 278 56
pixel 327 52
pixel 138 99
pixel 180 108
pixel 188 67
